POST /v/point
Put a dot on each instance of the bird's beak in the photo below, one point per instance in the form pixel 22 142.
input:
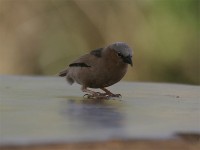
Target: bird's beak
pixel 128 60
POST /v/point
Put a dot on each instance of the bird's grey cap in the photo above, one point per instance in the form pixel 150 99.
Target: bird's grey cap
pixel 122 48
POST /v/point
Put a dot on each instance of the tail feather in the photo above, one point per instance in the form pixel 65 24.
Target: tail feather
pixel 63 73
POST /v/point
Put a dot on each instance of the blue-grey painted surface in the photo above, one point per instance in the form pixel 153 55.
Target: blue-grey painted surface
pixel 37 110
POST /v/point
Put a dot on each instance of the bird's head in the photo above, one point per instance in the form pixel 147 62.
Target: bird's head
pixel 123 51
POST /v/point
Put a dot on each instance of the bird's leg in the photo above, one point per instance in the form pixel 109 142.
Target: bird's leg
pixel 91 94
pixel 107 92
pixel 84 89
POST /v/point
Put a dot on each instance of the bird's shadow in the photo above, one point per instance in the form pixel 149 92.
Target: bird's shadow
pixel 95 113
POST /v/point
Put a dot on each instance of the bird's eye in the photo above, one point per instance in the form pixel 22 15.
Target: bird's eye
pixel 119 54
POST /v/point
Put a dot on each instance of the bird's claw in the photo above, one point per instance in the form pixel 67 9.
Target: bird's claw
pixel 87 96
pixel 90 96
pixel 98 95
pixel 116 95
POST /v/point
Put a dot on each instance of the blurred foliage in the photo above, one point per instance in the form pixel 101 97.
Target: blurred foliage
pixel 43 36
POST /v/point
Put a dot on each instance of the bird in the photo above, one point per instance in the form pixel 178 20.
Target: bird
pixel 99 69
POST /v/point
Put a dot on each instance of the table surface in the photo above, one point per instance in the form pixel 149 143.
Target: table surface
pixel 41 110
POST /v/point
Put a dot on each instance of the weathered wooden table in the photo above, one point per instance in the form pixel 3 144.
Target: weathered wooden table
pixel 47 113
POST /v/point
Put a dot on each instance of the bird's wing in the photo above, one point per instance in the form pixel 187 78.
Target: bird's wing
pixel 87 60
pixel 84 61
pixel 97 52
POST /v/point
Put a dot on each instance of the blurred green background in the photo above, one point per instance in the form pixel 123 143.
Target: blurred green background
pixel 40 37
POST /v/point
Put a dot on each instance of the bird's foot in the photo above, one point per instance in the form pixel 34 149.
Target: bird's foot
pixel 116 95
pixel 113 96
pixel 95 96
pixel 110 94
pixel 98 95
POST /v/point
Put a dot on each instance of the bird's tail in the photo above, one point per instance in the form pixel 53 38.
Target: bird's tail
pixel 64 73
